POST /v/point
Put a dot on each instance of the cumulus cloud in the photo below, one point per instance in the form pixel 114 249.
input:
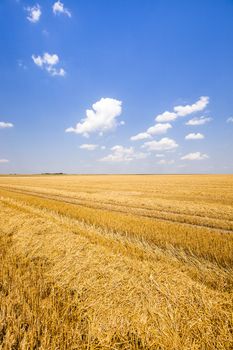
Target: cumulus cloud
pixel 58 8
pixel 34 13
pixel 88 146
pixel 166 117
pixel 48 62
pixel 159 128
pixel 46 59
pixel 198 121
pixel 50 59
pixel 164 144
pixel 162 120
pixel 201 104
pixel 159 155
pixel 101 118
pixel 4 125
pixel 4 161
pixel 182 111
pixel 141 136
pixel 193 136
pixel 195 156
pixel 123 154
pixel 230 120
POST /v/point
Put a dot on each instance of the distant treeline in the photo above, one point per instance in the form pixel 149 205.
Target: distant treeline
pixel 52 174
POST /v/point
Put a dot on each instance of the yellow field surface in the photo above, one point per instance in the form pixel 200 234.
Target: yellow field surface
pixel 116 262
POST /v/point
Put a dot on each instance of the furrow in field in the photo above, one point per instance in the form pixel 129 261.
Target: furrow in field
pixel 115 302
pixel 132 202
pixel 199 220
pixel 197 268
pixel 210 244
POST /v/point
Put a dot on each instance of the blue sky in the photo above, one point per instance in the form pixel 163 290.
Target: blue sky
pixel 116 86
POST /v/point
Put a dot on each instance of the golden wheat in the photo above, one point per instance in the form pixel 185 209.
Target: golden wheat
pixel 116 262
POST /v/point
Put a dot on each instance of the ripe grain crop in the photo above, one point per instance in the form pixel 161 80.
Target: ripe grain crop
pixel 116 262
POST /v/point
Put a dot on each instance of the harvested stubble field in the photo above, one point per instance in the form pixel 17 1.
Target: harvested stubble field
pixel 116 262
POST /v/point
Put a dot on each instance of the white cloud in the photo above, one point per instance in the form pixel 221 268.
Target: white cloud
pixel 141 136
pixel 47 62
pixel 4 161
pixel 4 125
pixel 182 111
pixel 166 117
pixel 58 8
pixel 230 120
pixel 38 60
pixel 34 13
pixel 193 136
pixel 123 154
pixel 56 72
pixel 153 130
pixel 159 155
pixel 88 146
pixel 50 60
pixel 163 126
pixel 164 144
pixel 165 161
pixel 101 118
pixel 198 121
pixel 159 129
pixel 195 156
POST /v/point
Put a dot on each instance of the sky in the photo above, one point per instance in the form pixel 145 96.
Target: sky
pixel 136 86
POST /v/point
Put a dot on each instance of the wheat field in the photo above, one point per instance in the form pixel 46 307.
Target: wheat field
pixel 116 262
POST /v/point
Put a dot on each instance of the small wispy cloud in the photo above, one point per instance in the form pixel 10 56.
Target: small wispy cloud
pixel 58 8
pixel 21 64
pixel 159 128
pixel 123 154
pixel 141 136
pixel 166 162
pixel 89 146
pixel 4 161
pixel 4 125
pixel 193 136
pixel 48 62
pixel 198 106
pixel 45 32
pixel 182 111
pixel 164 144
pixel 195 156
pixel 230 120
pixel 166 117
pixel 34 13
pixel 198 121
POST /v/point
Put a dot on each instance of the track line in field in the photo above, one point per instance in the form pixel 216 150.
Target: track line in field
pixel 108 205
pixel 130 246
pixel 61 199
